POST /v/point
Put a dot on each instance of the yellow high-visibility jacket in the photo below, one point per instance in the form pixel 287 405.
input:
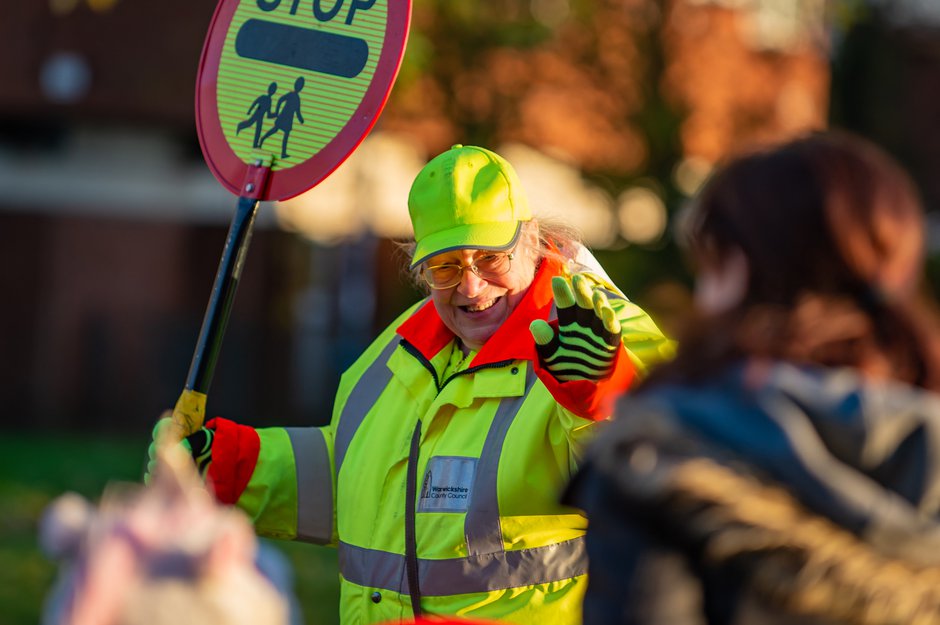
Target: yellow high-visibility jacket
pixel 441 494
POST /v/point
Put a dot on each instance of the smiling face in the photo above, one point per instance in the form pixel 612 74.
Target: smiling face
pixel 476 308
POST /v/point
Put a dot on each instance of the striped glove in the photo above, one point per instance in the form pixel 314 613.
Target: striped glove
pixel 197 444
pixel 588 336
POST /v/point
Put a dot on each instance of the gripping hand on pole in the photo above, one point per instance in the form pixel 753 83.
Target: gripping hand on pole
pixel 588 337
pixel 198 445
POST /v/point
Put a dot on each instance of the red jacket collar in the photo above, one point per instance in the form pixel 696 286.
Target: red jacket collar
pixel 425 330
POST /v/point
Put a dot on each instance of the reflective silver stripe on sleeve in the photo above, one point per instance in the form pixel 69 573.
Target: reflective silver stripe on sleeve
pixel 314 485
pixel 481 526
pixel 361 399
pixel 457 576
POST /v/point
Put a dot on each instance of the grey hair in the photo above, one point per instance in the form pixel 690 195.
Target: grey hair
pixel 557 240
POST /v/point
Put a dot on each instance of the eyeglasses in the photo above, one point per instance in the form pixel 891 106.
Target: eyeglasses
pixel 487 266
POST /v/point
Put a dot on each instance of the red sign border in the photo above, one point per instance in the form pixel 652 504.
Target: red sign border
pixel 231 171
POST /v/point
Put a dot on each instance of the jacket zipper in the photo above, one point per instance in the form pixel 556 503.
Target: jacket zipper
pixel 411 519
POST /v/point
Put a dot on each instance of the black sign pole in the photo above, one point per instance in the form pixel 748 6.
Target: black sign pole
pixel 190 410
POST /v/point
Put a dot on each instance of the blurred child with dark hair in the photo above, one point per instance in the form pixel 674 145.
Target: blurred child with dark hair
pixel 785 467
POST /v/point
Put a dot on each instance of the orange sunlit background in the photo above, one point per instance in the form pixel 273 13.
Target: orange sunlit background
pixel 613 111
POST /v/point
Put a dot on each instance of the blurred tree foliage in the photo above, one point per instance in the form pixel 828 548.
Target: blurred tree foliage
pixel 566 77
pixel 606 85
pixel 595 83
pixel 575 79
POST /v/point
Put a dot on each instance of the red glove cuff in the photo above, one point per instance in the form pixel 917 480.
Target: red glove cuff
pixel 588 399
pixel 235 451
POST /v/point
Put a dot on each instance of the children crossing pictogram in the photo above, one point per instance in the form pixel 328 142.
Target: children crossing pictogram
pixel 294 84
pixel 288 107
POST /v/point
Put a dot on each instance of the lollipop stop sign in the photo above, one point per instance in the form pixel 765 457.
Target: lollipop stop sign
pixel 299 82
pixel 286 90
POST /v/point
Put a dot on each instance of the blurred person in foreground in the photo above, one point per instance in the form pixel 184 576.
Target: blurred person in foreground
pixel 164 554
pixel 785 467
pixel 454 433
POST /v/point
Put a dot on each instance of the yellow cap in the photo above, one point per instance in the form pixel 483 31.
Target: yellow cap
pixel 466 198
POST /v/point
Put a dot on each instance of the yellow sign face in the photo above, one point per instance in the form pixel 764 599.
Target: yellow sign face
pixel 292 73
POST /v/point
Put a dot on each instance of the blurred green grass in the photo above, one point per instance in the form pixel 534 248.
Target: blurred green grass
pixel 36 468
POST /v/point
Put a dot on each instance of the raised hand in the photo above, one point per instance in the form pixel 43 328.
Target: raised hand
pixel 588 336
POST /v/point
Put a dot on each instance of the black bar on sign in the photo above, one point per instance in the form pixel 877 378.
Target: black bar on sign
pixel 313 50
